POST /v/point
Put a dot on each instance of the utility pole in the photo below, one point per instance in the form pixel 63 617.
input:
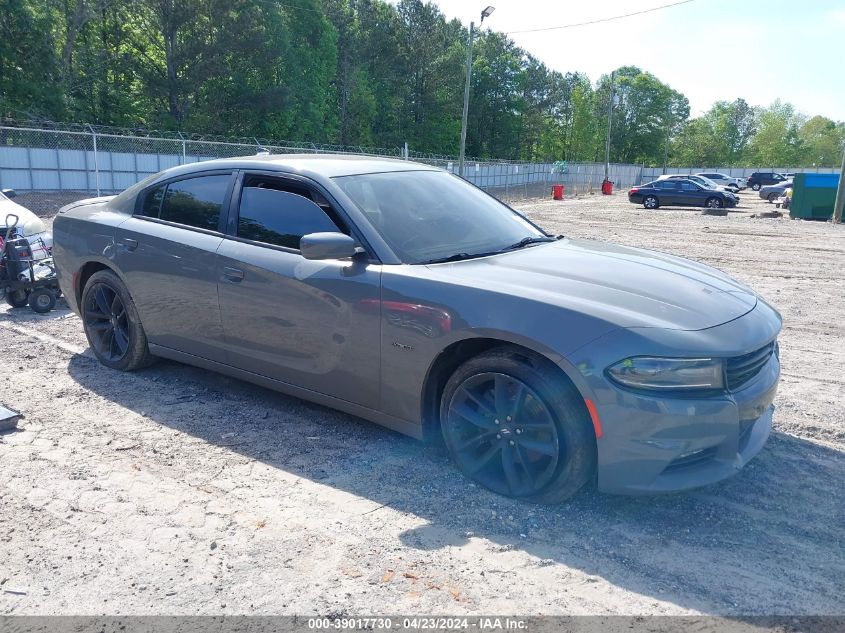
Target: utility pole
pixel 840 193
pixel 609 123
pixel 484 14
pixel 466 102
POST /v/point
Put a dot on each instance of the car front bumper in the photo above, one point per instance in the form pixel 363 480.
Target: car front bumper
pixel 653 443
pixel 678 444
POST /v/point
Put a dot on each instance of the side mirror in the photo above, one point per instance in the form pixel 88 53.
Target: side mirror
pixel 9 193
pixel 327 246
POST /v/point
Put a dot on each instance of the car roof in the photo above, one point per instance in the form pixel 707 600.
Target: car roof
pixel 313 165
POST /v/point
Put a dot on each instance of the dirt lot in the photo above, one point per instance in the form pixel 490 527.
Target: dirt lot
pixel 175 490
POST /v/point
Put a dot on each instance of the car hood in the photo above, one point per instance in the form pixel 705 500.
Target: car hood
pixel 627 287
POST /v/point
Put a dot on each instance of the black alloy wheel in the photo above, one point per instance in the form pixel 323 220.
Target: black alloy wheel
pixel 504 434
pixel 106 322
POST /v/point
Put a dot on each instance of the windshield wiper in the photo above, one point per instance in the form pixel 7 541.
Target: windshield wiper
pixel 520 244
pixel 453 258
pixel 528 240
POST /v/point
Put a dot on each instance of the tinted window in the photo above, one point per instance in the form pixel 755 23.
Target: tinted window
pixel 688 186
pixel 279 217
pixel 669 184
pixel 152 202
pixel 196 201
pixel 430 215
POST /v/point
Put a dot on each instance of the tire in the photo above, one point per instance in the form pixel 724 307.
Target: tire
pixel 112 325
pixel 17 298
pixel 772 197
pixel 42 300
pixel 651 202
pixel 756 186
pixel 713 203
pixel 516 426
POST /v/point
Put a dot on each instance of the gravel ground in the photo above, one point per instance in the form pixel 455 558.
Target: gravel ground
pixel 178 491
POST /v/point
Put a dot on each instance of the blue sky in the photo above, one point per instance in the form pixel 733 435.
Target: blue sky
pixel 710 50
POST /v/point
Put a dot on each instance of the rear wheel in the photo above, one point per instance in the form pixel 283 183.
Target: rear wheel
pixel 651 202
pixel 513 424
pixel 112 324
pixel 773 196
pixel 17 298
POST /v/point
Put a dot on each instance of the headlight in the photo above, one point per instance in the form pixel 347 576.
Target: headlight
pixel 648 372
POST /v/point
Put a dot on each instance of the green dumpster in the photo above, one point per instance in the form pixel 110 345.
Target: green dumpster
pixel 813 196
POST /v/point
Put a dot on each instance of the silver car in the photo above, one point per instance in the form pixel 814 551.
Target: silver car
pixel 736 184
pixel 402 294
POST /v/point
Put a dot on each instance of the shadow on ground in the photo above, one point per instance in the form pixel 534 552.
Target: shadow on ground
pixel 771 535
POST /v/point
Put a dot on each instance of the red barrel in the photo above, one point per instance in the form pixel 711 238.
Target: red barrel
pixel 557 192
pixel 607 187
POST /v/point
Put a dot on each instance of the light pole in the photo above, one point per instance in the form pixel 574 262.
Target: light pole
pixel 609 124
pixel 484 14
pixel 839 203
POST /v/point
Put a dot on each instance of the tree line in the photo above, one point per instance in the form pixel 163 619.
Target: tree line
pixel 368 73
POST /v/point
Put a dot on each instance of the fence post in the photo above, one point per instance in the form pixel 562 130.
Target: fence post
pixel 184 149
pixel 406 150
pixel 96 163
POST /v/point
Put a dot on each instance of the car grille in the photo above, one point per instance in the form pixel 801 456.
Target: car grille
pixel 740 369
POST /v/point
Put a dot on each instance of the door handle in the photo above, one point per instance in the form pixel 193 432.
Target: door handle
pixel 232 274
pixel 128 244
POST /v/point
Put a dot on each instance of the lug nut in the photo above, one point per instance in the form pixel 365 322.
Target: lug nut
pixel 518 431
pixel 496 421
pixel 509 418
pixel 498 437
pixel 512 442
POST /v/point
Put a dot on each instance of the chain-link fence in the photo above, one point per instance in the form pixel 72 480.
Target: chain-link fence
pixel 104 160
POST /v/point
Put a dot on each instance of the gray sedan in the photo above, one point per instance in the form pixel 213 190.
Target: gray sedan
pixel 773 192
pixel 402 294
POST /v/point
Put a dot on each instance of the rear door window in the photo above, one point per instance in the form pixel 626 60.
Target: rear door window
pixel 279 213
pixel 195 202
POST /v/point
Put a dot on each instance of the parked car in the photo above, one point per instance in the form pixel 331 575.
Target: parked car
pixel 400 293
pixel 773 192
pixel 761 178
pixel 29 225
pixel 726 181
pixel 704 182
pixel 680 192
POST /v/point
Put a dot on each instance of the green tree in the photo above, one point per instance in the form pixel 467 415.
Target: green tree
pixel 822 142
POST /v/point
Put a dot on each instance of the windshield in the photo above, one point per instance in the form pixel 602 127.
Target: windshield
pixel 426 216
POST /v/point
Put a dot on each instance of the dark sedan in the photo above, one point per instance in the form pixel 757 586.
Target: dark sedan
pixel 402 294
pixel 679 193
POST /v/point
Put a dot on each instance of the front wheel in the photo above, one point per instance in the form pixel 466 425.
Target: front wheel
pixel 713 203
pixel 756 186
pixel 513 424
pixel 650 202
pixel 42 300
pixel 112 324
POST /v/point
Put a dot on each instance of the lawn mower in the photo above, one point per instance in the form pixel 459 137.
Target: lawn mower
pixel 24 279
